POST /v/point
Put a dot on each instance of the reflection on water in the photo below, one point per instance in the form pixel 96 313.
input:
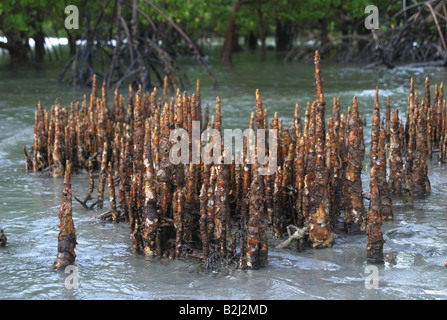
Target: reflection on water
pixel 108 269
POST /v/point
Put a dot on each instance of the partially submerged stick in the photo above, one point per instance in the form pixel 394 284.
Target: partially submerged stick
pixel 90 189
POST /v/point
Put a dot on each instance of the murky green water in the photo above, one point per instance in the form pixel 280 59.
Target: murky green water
pixel 108 269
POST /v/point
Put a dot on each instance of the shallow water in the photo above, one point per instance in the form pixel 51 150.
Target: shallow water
pixel 415 250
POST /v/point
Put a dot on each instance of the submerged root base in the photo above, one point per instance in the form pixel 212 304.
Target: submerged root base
pixel 66 255
pixel 3 239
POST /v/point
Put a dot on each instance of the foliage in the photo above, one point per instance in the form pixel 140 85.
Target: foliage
pixel 201 18
pixel 21 15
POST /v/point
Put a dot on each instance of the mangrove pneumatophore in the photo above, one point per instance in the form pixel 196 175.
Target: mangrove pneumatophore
pixel 226 212
pixel 354 208
pixel 3 238
pixel 320 231
pixel 374 222
pixel 395 156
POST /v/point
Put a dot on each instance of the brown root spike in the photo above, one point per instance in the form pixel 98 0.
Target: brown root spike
pixel 320 231
pixel 67 234
pixel 355 210
pixel 373 229
pixel 395 156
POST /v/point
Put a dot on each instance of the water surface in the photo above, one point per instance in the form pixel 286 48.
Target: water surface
pixel 108 269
